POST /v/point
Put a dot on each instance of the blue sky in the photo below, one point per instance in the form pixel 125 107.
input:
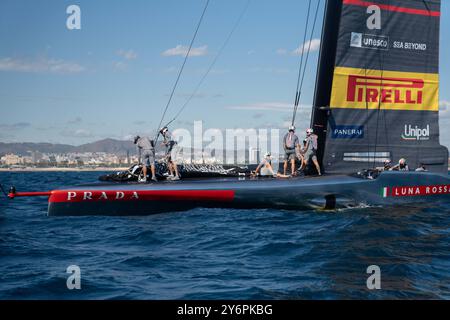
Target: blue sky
pixel 112 78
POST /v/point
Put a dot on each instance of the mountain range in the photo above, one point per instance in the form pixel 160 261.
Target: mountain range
pixel 113 146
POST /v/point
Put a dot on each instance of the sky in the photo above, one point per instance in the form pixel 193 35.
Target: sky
pixel 112 78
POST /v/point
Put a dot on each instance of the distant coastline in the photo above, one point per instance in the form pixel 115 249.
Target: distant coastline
pixel 55 169
pixel 60 169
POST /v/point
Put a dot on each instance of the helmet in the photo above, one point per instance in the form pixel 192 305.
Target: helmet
pixel 309 131
pixel 163 130
pixel 291 128
pixel 387 161
pixel 267 155
pixel 135 139
pixel 402 161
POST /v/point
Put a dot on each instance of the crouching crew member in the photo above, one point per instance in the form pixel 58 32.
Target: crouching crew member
pixel 265 167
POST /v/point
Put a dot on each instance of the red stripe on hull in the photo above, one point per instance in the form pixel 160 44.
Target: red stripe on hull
pixel 393 8
pixel 68 196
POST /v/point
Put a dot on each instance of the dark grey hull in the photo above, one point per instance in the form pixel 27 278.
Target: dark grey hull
pixel 390 188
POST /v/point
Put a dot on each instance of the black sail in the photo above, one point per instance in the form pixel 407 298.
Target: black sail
pixel 382 87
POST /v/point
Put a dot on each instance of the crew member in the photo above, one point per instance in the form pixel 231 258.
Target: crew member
pixel 421 168
pixel 290 143
pixel 387 165
pixel 265 166
pixel 401 166
pixel 171 153
pixel 311 149
pixel 146 152
pixel 301 155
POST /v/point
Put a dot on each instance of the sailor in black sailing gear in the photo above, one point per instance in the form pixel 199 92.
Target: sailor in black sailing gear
pixel 311 149
pixel 290 143
pixel 171 153
pixel 401 166
pixel 146 152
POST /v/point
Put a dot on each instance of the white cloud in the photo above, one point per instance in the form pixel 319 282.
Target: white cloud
pixel 42 65
pixel 264 106
pixel 313 45
pixel 127 54
pixel 181 50
pixel 82 133
pixel 78 133
pixel 15 126
pixel 128 137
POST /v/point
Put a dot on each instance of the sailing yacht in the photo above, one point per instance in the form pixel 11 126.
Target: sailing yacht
pixel 376 99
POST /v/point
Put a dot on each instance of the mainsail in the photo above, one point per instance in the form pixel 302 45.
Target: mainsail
pixel 382 85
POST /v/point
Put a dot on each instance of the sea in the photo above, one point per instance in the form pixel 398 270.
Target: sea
pixel 220 253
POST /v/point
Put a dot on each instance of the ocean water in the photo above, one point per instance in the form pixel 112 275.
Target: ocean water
pixel 220 253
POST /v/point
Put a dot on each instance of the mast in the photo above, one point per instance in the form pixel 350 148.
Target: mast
pixel 377 87
pixel 324 74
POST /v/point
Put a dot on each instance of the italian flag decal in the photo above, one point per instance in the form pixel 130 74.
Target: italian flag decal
pixel 385 192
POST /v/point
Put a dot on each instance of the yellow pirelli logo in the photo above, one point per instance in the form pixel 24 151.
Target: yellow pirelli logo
pixel 390 90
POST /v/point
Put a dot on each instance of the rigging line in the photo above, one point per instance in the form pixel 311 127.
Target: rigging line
pixel 367 115
pixel 301 62
pixel 212 63
pixel 181 69
pixel 306 61
pixel 381 59
pixel 386 130
pixel 421 142
pixel 426 6
pixel 303 51
pixel 384 112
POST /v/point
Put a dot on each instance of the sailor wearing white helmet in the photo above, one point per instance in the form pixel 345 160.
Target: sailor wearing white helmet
pixel 311 149
pixel 401 166
pixel 290 143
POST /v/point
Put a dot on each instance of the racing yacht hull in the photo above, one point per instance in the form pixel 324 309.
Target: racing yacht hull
pixel 329 192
